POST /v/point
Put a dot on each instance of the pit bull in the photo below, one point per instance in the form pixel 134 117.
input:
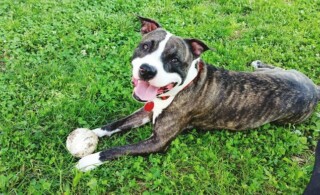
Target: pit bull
pixel 181 91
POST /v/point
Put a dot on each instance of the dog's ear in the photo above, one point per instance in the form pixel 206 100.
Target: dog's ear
pixel 197 47
pixel 148 25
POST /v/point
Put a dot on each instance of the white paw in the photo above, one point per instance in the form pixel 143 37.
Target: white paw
pixel 256 64
pixel 100 132
pixel 89 162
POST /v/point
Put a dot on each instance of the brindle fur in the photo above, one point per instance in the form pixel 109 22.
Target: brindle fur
pixel 241 100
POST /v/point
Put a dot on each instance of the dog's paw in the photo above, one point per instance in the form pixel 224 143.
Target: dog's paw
pixel 100 132
pixel 256 64
pixel 89 162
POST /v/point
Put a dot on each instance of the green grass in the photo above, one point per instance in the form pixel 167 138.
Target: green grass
pixel 65 64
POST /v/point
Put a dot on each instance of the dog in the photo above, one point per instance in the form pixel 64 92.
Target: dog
pixel 313 187
pixel 181 91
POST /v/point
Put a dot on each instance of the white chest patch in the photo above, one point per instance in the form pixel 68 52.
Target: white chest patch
pixel 159 105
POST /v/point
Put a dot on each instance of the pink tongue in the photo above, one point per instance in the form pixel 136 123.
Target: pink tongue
pixel 145 91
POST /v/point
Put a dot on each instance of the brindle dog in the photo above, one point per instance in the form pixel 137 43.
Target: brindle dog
pixel 181 91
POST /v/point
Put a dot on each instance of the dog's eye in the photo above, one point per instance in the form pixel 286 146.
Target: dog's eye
pixel 145 46
pixel 174 60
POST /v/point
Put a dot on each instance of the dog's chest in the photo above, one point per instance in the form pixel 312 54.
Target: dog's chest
pixel 159 106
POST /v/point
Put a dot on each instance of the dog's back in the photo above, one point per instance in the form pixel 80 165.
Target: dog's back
pixel 306 98
pixel 242 100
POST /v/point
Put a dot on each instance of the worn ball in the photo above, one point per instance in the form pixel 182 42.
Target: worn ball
pixel 82 142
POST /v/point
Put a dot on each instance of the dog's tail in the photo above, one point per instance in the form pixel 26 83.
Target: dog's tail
pixel 314 184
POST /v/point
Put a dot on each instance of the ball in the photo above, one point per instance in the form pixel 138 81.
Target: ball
pixel 82 142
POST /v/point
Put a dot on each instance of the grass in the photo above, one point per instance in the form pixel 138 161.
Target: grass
pixel 65 64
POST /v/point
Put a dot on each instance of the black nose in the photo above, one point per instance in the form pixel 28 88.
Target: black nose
pixel 147 72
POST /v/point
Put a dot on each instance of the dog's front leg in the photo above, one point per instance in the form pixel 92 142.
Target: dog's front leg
pixel 137 119
pixel 158 142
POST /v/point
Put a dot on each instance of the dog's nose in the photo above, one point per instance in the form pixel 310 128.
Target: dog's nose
pixel 147 72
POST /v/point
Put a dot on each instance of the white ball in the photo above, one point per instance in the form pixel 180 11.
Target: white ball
pixel 82 142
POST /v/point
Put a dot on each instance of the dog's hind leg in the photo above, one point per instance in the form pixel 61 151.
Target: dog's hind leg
pixel 137 119
pixel 260 66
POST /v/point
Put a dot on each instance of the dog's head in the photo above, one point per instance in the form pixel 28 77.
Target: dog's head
pixel 162 62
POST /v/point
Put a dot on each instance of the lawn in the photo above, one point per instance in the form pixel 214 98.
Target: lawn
pixel 66 64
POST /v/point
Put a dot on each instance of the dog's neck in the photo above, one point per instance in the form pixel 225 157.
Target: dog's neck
pixel 164 100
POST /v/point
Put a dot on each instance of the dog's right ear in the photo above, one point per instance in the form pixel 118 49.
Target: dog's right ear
pixel 197 47
pixel 148 25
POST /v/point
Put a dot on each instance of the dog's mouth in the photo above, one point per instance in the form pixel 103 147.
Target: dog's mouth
pixel 145 92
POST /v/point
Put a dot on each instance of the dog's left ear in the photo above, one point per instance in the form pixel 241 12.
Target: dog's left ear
pixel 148 25
pixel 197 47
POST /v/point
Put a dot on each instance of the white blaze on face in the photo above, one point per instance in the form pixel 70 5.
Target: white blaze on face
pixel 162 77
